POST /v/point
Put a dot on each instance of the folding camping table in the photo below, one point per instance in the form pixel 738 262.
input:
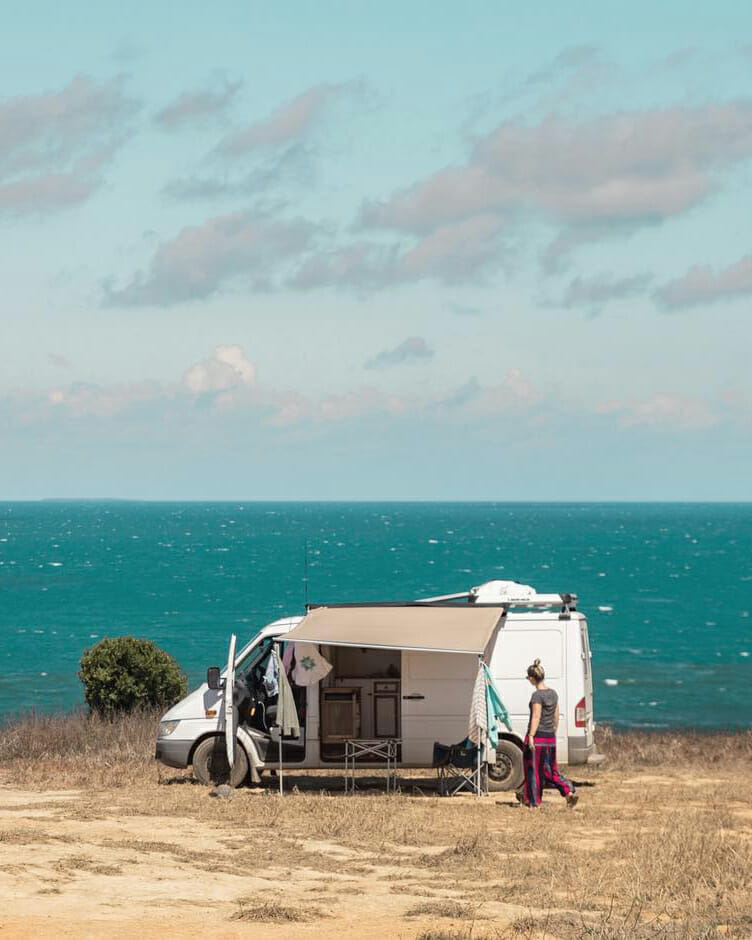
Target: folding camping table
pixel 377 749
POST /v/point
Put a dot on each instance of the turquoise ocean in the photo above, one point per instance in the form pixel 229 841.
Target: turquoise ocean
pixel 667 587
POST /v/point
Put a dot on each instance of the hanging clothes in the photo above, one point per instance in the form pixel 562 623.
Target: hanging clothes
pixel 271 677
pixel 477 730
pixel 486 711
pixel 497 711
pixel 287 714
pixel 287 657
pixel 310 665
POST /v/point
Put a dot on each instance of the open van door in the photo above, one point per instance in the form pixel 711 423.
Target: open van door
pixel 228 707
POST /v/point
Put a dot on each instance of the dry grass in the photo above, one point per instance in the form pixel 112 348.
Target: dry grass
pixel 22 837
pixel 452 909
pixel 701 749
pixel 78 863
pixel 659 846
pixel 273 912
pixel 78 749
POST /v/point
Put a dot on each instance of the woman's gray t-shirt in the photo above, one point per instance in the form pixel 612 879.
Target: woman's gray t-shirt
pixel 548 699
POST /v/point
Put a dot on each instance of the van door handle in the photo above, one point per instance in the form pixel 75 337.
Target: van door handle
pixel 414 696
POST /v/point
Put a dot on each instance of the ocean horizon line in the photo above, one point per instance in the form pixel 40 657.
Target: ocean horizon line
pixel 295 501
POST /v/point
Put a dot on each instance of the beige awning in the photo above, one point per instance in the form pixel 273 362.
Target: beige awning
pixel 434 629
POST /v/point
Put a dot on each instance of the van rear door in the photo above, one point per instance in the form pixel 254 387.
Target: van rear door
pixel 519 643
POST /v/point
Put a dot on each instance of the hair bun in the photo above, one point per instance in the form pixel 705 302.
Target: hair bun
pixel 536 662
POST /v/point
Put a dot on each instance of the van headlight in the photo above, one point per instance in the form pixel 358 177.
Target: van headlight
pixel 166 728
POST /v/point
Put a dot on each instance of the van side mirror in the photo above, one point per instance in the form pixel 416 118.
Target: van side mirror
pixel 212 677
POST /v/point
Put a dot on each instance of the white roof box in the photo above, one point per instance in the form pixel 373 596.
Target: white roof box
pixel 517 595
pixel 501 592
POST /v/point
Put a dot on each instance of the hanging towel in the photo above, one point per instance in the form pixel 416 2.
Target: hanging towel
pixel 310 665
pixel 497 711
pixel 271 677
pixel 287 713
pixel 486 712
pixel 477 730
pixel 287 657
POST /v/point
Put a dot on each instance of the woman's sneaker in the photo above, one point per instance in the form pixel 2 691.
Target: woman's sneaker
pixel 572 799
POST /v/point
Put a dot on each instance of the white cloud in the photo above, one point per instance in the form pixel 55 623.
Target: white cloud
pixel 662 411
pixel 637 166
pixel 84 399
pixel 226 369
pixel 290 122
pixel 53 146
pixel 293 166
pixel 515 393
pixel 701 284
pixel 291 409
pixel 277 152
pixel 202 259
pixel 616 173
pixel 601 288
pixel 223 387
pixel 453 253
pixel 198 105
pixel 414 347
pixel 607 176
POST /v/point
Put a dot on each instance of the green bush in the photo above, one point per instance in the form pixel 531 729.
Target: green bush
pixel 123 673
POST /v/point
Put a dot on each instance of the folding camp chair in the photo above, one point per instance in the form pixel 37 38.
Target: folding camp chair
pixel 458 768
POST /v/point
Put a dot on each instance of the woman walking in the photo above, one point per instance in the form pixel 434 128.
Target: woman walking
pixel 540 744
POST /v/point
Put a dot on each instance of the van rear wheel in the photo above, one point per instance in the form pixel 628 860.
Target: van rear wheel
pixel 508 772
pixel 210 765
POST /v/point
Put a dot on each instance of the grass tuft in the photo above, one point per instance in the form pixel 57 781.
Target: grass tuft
pixel 454 909
pixel 275 913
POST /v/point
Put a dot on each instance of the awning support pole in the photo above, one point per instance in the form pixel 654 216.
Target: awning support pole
pixel 279 727
pixel 480 745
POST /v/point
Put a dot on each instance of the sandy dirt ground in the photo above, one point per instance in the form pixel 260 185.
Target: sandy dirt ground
pixel 169 861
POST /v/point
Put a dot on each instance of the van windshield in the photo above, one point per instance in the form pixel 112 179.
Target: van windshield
pixel 245 664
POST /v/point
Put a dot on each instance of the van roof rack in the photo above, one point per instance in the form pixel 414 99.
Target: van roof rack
pixel 567 602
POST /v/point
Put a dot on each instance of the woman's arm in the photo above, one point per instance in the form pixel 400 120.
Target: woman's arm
pixel 556 719
pixel 535 716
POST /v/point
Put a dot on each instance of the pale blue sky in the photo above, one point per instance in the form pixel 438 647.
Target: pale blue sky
pixel 345 250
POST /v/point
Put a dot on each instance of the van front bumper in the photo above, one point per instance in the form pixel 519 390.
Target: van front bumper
pixel 173 753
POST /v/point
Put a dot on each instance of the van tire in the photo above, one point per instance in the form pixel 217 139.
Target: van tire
pixel 210 765
pixel 508 773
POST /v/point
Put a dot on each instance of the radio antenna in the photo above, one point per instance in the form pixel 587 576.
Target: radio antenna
pixel 305 574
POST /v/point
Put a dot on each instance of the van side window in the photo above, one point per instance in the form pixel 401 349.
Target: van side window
pixel 585 648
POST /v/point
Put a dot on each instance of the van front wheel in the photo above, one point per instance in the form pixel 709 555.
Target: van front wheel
pixel 210 765
pixel 508 772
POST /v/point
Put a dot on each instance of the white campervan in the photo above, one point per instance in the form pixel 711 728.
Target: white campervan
pixel 400 671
